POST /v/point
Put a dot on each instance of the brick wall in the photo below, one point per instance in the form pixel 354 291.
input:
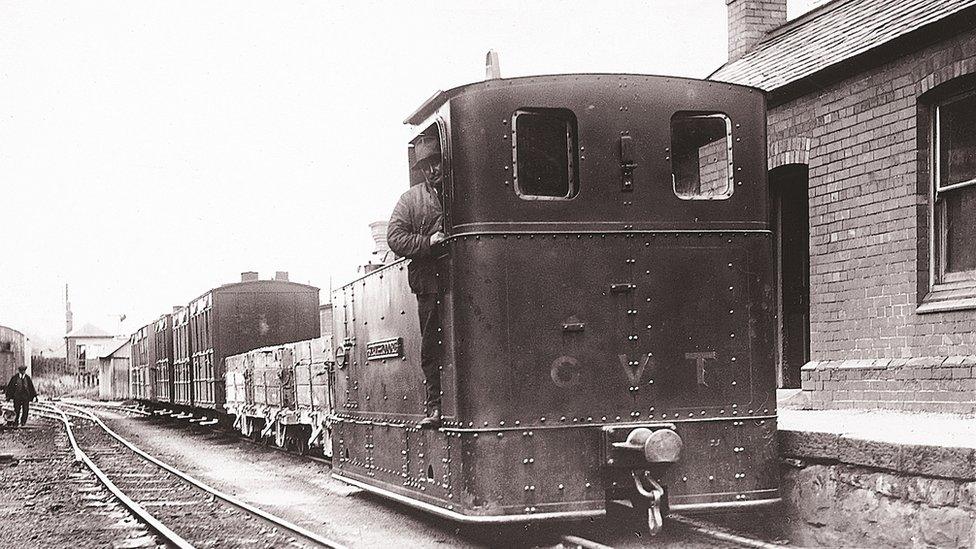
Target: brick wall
pixel 868 196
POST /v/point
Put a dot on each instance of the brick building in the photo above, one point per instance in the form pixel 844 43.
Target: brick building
pixel 83 348
pixel 872 172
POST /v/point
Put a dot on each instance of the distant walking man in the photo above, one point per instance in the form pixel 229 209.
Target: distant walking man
pixel 416 226
pixel 20 389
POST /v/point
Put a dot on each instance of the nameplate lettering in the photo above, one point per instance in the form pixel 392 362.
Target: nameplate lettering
pixel 385 348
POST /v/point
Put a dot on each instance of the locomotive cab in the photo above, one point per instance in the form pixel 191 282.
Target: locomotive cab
pixel 607 309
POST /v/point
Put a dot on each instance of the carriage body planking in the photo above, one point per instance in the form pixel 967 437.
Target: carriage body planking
pixel 607 308
pixel 178 360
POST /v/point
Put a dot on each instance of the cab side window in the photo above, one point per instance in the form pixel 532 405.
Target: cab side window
pixel 545 154
pixel 701 156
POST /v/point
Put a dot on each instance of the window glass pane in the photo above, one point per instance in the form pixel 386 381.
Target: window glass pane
pixel 701 156
pixel 957 147
pixel 545 153
pixel 960 205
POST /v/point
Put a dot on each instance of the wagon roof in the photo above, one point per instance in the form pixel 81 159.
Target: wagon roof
pixel 435 101
pixel 831 34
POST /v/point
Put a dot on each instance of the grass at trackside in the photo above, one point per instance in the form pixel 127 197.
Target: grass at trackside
pixel 65 385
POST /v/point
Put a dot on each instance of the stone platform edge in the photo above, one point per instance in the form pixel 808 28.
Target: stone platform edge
pixel 907 459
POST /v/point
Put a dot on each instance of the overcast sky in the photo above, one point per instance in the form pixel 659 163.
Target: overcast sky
pixel 150 151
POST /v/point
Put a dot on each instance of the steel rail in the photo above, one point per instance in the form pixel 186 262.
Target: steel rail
pixel 706 529
pixel 582 543
pixel 217 493
pixel 171 536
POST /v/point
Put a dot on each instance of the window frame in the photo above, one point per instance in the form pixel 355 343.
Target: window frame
pixel 947 291
pixel 730 171
pixel 572 153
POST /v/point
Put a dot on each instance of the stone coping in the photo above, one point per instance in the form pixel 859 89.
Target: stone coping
pixel 887 363
pixel 935 445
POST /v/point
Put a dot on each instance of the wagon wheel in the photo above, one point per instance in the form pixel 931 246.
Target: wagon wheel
pixel 299 439
pixel 279 435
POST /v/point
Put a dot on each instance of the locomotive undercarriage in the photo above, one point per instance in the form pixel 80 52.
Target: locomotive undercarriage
pixel 518 475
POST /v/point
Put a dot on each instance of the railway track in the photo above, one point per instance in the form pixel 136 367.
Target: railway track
pixel 682 532
pixel 182 511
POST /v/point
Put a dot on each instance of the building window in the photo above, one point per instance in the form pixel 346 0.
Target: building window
pixel 955 189
pixel 6 347
pixel 949 112
pixel 701 156
pixel 545 154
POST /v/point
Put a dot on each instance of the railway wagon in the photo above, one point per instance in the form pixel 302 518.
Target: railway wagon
pixel 162 365
pixel 14 352
pixel 282 393
pixel 606 310
pixel 141 372
pixel 235 318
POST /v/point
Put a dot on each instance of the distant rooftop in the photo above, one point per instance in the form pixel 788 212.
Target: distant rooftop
pixel 88 330
pixel 832 33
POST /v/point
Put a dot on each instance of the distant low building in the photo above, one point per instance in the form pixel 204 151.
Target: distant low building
pixel 325 319
pixel 113 371
pixel 83 347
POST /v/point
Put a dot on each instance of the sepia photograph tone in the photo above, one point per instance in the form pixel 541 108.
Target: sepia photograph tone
pixel 445 273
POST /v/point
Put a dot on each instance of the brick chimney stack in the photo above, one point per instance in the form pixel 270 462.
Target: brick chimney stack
pixel 750 20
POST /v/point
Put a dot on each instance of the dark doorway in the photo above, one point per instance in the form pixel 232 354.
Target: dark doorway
pixel 788 191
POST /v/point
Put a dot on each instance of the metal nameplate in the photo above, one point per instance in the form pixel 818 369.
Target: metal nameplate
pixel 384 348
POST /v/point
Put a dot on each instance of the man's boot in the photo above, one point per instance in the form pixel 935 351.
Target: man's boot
pixel 433 419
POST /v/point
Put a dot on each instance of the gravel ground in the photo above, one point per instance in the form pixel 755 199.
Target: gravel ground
pixel 289 486
pixel 48 500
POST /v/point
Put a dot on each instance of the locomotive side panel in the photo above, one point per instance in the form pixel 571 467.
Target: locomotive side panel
pixel 376 325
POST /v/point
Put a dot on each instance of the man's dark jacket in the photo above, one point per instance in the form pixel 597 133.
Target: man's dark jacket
pixel 16 390
pixel 416 217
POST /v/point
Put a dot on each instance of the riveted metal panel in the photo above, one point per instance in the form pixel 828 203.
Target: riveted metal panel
pixel 374 310
pixel 691 339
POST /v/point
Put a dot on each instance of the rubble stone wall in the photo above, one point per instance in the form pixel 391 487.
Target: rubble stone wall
pixel 846 492
pixel 839 505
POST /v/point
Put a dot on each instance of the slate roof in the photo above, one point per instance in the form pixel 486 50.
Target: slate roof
pixel 88 330
pixel 112 349
pixel 830 34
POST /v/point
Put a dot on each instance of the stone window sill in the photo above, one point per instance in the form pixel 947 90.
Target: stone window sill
pixel 952 295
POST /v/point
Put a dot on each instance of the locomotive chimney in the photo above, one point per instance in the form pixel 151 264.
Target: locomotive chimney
pixel 378 230
pixel 281 275
pixel 750 20
pixel 249 276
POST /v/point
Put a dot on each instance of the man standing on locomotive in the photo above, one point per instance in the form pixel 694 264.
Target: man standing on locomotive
pixel 416 226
